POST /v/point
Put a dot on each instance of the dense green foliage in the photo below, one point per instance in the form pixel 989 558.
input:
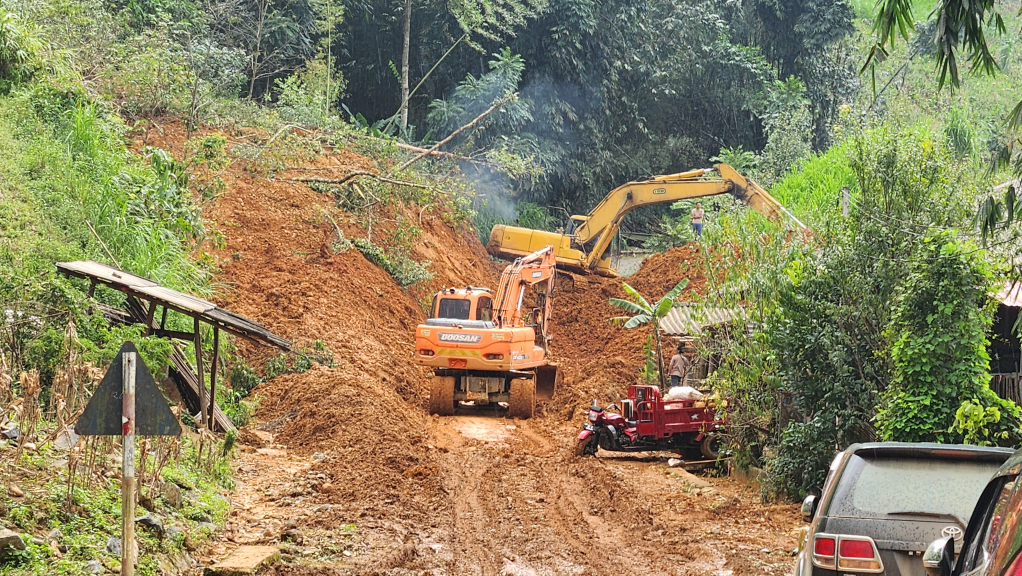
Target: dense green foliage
pixel 606 92
pixel 879 330
pixel 938 338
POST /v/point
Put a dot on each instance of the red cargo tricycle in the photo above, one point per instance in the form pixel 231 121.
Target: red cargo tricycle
pixel 645 422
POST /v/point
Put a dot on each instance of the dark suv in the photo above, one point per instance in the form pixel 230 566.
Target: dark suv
pixel 884 502
pixel 992 541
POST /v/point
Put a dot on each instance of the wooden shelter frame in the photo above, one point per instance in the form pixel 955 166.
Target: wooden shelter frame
pixel 145 297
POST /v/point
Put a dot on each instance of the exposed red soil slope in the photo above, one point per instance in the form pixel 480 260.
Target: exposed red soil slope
pixel 352 445
pixel 600 358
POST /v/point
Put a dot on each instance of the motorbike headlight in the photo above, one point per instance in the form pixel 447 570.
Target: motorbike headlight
pixel 593 417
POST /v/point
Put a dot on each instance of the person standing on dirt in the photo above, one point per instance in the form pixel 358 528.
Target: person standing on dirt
pixel 697 220
pixel 679 366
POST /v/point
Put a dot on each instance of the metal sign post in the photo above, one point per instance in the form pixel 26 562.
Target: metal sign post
pixel 112 411
pixel 128 550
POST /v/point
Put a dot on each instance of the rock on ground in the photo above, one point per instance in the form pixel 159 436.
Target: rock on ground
pixel 245 560
pixel 9 543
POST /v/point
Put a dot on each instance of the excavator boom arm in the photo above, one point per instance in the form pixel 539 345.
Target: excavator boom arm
pixel 603 222
pixel 525 271
pixel 584 249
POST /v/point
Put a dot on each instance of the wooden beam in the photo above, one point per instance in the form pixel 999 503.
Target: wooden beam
pixel 163 319
pixel 92 288
pixel 212 373
pixel 150 313
pixel 199 370
pixel 176 334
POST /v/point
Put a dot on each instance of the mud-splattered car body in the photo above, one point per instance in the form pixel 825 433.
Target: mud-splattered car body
pixel 883 503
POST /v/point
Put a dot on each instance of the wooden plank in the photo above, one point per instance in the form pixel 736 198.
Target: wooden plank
pixel 213 370
pixel 150 313
pixel 175 334
pixel 199 374
pixel 190 303
pixel 145 289
pixel 88 268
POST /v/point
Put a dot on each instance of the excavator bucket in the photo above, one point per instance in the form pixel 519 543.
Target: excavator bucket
pixel 547 378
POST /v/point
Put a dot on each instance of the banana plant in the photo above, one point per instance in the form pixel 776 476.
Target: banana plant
pixel 644 313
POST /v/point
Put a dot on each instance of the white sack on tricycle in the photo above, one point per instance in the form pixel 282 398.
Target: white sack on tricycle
pixel 683 393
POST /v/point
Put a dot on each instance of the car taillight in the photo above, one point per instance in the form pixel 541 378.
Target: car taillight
pixel 1016 567
pixel 494 356
pixel 593 416
pixel 847 553
pixel 824 547
pixel 858 553
pixel 425 352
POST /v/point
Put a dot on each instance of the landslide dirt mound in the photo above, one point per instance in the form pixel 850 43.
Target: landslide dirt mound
pixel 346 466
pixel 362 419
pixel 601 359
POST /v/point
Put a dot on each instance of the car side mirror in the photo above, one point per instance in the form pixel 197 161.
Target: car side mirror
pixel 939 558
pixel 808 508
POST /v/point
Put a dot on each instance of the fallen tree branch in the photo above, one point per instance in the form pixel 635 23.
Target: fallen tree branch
pixel 360 174
pixel 471 124
pixel 451 155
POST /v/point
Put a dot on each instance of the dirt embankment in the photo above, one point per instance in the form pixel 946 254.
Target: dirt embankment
pixel 346 460
pixel 601 358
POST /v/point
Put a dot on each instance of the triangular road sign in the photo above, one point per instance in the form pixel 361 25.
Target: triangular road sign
pixel 102 416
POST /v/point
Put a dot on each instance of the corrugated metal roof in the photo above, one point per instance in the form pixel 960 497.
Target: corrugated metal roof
pixel 690 318
pixel 1011 295
pixel 146 289
pixel 103 272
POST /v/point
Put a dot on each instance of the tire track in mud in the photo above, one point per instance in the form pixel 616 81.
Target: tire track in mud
pixel 524 506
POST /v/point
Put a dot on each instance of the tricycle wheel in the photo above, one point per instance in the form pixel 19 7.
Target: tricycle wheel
pixel 585 447
pixel 709 447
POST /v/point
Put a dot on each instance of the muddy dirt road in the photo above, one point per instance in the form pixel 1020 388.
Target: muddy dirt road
pixel 524 505
pixel 517 504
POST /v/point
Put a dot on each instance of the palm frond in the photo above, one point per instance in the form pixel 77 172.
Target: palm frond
pixel 638 320
pixel 663 307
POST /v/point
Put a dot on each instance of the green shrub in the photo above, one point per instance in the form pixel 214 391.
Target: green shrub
pixel 19 52
pixel 802 459
pixel 308 95
pixel 403 269
pixel 940 387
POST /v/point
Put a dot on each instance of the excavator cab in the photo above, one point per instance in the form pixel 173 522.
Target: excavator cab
pixel 472 306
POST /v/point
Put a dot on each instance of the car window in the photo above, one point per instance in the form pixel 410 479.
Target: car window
pixel 876 487
pixel 989 527
pixel 455 308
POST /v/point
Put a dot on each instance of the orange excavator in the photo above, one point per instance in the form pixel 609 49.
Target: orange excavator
pixel 485 350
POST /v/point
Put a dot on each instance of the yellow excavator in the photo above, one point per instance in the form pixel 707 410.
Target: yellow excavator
pixel 583 250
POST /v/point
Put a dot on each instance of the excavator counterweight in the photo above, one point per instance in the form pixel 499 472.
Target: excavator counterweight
pixel 584 250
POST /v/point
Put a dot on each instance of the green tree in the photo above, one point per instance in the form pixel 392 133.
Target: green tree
pixel 938 349
pixel 644 313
